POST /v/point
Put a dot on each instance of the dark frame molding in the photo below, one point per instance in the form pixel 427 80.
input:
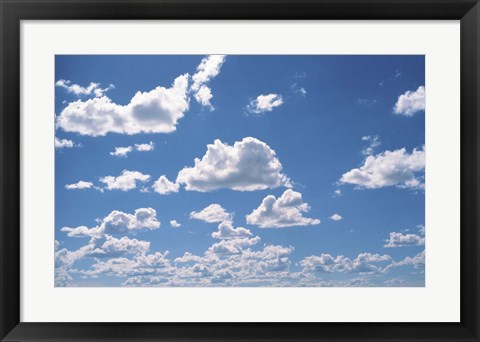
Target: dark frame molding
pixel 13 11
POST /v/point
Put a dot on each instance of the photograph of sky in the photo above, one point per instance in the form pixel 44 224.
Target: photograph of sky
pixel 240 171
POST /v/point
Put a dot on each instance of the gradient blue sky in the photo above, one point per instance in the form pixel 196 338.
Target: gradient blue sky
pixel 329 111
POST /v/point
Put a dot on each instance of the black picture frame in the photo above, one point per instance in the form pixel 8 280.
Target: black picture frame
pixel 13 11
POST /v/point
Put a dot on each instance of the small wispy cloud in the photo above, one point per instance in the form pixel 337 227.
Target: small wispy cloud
pixel 373 142
pixel 92 89
pixel 124 151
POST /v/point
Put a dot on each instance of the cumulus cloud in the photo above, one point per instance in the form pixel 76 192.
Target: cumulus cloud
pixel 265 103
pixel 164 187
pixel 286 211
pixel 121 151
pixel 248 165
pixel 141 264
pixel 410 102
pixel 336 217
pixel 402 240
pixel 175 224
pixel 398 168
pixel 233 246
pixel 214 213
pixel 99 247
pixel 145 147
pixel 92 89
pixel 107 246
pixel 126 181
pixel 64 143
pixel 208 69
pixel 118 222
pixel 417 261
pixel 363 263
pixel 203 96
pixel 155 111
pixel 227 231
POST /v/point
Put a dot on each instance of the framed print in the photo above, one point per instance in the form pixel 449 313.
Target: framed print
pixel 198 170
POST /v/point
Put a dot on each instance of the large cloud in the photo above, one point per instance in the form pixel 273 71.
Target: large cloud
pixel 390 168
pixel 248 165
pixel 118 222
pixel 411 102
pixel 155 111
pixel 286 211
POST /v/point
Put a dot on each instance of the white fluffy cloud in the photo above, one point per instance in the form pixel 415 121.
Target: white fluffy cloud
pixel 226 231
pixel 363 263
pixel 140 264
pixel 265 103
pixel 145 147
pixel 286 211
pixel 203 96
pixel 126 181
pixel 64 143
pixel 121 151
pixel 107 246
pixel 208 69
pixel 175 224
pixel 397 168
pixel 156 111
pixel 118 222
pixel 417 261
pixel 233 246
pixel 411 102
pixel 79 185
pixel 336 217
pixel 248 165
pixel 92 88
pixel 214 213
pixel 164 187
pixel 401 240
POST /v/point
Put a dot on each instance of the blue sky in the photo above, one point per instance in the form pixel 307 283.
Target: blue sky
pixel 314 174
